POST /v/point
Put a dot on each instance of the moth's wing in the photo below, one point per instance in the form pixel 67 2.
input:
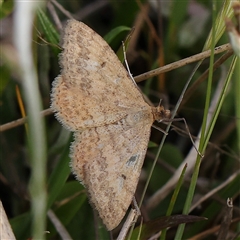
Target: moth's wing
pixel 108 161
pixel 94 88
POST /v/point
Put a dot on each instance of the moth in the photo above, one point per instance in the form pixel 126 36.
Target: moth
pixel 96 99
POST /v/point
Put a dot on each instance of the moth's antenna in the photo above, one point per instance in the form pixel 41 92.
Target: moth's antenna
pixel 126 63
pixel 160 101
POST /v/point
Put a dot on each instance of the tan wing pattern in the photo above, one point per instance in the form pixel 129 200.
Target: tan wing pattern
pixel 94 88
pixel 108 161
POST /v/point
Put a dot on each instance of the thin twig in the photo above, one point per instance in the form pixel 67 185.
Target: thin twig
pixel 132 217
pixel 182 62
pixel 62 9
pixel 58 225
pixel 21 121
pixel 54 15
pixel 215 190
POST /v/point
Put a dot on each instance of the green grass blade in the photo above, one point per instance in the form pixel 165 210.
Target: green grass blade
pixel 193 183
pixel 173 199
pixel 51 34
pixel 36 139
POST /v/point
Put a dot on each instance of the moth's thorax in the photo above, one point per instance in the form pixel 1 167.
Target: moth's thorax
pixel 160 114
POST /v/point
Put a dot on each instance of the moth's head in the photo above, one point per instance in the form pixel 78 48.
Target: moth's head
pixel 160 113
